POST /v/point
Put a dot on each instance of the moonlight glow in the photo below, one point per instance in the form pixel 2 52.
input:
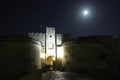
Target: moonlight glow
pixel 85 12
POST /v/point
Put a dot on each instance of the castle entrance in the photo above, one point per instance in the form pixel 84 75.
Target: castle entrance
pixel 50 60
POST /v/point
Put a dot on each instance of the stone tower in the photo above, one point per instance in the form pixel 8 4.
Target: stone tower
pixel 50 41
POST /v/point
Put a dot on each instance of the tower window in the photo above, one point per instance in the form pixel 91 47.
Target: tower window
pixel 50 36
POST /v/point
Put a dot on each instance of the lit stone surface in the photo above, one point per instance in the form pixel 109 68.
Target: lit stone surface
pixel 50 42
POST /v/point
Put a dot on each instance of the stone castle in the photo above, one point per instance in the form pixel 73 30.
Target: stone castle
pixel 50 43
pixel 23 54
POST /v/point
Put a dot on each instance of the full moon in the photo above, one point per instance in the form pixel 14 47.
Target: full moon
pixel 85 12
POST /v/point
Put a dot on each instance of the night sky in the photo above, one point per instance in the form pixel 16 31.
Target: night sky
pixel 22 17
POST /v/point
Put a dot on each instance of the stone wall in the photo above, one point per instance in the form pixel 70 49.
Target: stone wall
pixel 19 55
pixel 86 55
pixel 100 58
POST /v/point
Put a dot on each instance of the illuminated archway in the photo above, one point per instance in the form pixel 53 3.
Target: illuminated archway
pixel 50 60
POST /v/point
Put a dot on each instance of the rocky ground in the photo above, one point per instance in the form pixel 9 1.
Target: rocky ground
pixel 54 75
pixel 57 75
